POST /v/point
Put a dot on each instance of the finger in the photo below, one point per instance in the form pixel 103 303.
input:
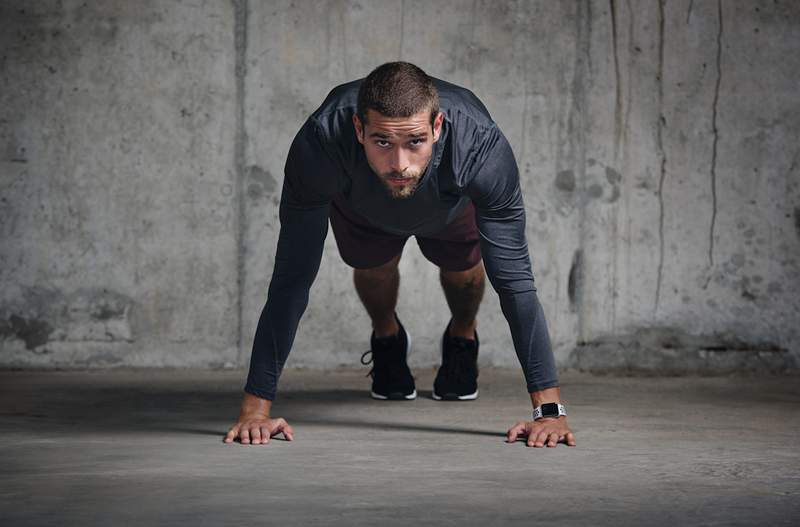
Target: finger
pixel 514 431
pixel 554 437
pixel 265 433
pixel 288 432
pixel 255 434
pixel 532 437
pixel 541 439
pixel 570 439
pixel 244 434
pixel 283 427
pixel 232 433
pixel 537 440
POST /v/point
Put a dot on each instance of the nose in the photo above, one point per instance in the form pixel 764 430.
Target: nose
pixel 398 161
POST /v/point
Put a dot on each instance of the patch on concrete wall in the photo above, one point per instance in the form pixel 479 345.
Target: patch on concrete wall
pixel 671 351
pixel 594 185
pixel 260 182
pixel 43 315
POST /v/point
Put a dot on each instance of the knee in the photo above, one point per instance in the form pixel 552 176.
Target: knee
pixel 471 277
pixel 380 272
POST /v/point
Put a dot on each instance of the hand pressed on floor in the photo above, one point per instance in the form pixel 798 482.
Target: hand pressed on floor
pixel 258 429
pixel 548 430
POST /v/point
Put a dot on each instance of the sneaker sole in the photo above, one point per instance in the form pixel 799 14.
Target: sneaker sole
pixel 397 396
pixel 454 397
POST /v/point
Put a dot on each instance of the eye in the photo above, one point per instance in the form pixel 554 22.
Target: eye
pixel 379 141
pixel 417 142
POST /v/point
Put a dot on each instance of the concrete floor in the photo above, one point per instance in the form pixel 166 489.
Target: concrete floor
pixel 145 447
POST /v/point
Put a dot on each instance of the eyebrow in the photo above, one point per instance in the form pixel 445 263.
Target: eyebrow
pixel 381 135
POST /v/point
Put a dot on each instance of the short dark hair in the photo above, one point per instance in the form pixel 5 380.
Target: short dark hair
pixel 397 89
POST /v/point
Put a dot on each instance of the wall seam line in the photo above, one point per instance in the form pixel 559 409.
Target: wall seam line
pixel 240 137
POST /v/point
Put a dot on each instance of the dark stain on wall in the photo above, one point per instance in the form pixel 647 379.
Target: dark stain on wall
pixel 261 182
pixel 33 331
pixel 574 283
pixel 797 221
pixel 565 180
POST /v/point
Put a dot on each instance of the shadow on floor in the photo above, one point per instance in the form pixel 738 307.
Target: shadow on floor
pixel 90 409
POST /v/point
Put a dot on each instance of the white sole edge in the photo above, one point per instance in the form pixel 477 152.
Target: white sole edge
pixel 412 395
pixel 469 397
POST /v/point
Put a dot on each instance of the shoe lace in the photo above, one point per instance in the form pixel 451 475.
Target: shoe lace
pixel 394 369
pixel 368 362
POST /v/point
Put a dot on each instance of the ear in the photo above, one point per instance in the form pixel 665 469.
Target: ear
pixel 359 129
pixel 437 126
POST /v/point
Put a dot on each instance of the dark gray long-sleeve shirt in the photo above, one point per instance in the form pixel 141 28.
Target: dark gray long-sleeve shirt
pixel 472 160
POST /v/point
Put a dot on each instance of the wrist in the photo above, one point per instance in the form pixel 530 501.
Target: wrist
pixel 252 404
pixel 548 395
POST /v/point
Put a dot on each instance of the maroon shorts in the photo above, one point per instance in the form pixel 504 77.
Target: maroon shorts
pixel 362 246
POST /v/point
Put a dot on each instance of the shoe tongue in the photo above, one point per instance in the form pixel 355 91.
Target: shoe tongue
pixel 463 343
pixel 462 340
pixel 389 341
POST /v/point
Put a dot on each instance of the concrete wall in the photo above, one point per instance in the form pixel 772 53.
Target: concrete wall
pixel 142 146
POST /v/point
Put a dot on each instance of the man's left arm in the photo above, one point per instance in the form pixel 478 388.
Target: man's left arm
pixel 500 216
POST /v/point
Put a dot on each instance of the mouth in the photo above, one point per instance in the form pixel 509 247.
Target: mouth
pixel 399 181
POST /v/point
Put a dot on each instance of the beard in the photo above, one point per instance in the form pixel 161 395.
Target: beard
pixel 402 185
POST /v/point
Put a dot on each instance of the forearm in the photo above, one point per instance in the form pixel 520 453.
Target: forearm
pixel 531 338
pixel 274 336
pixel 297 260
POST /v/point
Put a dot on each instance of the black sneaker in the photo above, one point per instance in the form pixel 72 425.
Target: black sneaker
pixel 391 378
pixel 457 378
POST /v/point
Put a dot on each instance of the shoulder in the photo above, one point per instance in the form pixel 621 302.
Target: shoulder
pixel 472 131
pixel 334 117
pixel 332 122
pixel 462 107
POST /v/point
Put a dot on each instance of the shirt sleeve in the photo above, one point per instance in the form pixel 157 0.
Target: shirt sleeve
pixel 500 216
pixel 308 186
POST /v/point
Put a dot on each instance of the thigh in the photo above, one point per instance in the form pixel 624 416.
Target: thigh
pixel 361 245
pixel 457 246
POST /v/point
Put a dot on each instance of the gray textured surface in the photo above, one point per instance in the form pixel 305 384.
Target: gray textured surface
pixel 145 448
pixel 142 147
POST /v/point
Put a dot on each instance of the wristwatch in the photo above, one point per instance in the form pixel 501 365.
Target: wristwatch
pixel 549 410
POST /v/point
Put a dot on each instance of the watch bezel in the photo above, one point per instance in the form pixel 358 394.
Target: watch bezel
pixel 550 410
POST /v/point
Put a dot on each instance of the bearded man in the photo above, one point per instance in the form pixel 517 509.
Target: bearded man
pixel 396 154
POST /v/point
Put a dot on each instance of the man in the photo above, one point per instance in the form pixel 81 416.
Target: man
pixel 395 154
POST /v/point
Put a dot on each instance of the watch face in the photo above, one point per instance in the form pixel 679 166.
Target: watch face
pixel 550 410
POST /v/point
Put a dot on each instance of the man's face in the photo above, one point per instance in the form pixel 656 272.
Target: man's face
pixel 398 149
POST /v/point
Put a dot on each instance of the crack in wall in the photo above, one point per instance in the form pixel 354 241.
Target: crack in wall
pixel 524 135
pixel 617 93
pixel 402 29
pixel 240 137
pixel 714 144
pixel 471 49
pixel 689 11
pixel 631 58
pixel 660 139
pixel 577 134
